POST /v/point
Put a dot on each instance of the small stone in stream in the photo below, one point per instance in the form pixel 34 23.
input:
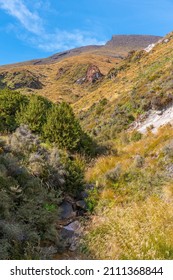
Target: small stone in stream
pixel 81 204
pixel 73 232
pixel 74 244
pixel 83 195
pixel 66 211
pixel 70 235
pixel 66 234
pixel 89 187
pixel 48 252
pixel 74 226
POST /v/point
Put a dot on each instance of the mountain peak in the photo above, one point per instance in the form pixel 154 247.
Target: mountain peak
pixel 132 42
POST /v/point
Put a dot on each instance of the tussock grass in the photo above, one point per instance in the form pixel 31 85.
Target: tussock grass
pixel 133 216
pixel 138 231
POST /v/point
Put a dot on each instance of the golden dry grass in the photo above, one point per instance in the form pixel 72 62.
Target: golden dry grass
pixel 63 89
pixel 138 231
pixel 133 219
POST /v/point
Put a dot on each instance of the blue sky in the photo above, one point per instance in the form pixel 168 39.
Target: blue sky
pixel 33 29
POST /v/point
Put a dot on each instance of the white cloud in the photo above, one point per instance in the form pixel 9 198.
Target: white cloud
pixel 36 33
pixel 29 20
pixel 66 40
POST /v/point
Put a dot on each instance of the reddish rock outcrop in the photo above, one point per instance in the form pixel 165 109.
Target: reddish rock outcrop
pixel 93 74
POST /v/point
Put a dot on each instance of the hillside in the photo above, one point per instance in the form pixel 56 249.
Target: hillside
pixel 140 83
pixel 58 77
pixel 113 156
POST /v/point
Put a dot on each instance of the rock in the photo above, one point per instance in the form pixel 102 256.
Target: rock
pixel 93 74
pixel 71 234
pixel 66 211
pixel 83 195
pixel 74 244
pixel 80 81
pixel 159 113
pixel 66 234
pixel 74 226
pixel 81 204
pixel 48 252
pixel 139 161
pixel 149 48
pixel 89 187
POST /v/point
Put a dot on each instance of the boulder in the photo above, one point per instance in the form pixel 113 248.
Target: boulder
pixel 74 227
pixel 89 187
pixel 93 74
pixel 70 235
pixel 66 211
pixel 48 252
pixel 83 195
pixel 66 235
pixel 81 204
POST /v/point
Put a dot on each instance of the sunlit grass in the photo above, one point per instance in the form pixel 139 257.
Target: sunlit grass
pixel 138 231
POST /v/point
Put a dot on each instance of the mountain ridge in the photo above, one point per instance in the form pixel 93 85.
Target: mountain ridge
pixel 118 46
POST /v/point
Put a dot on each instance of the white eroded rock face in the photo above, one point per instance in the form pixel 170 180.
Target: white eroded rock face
pixel 155 120
pixel 149 48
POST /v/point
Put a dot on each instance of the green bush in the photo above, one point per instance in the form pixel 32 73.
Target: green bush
pixel 74 177
pixel 63 128
pixel 136 136
pixel 35 113
pixel 10 103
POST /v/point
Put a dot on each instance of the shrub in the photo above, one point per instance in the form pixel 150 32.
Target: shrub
pixel 139 161
pixel 23 141
pixel 93 198
pixel 74 182
pixel 35 113
pixel 168 150
pixel 63 128
pixel 114 174
pixel 40 162
pixel 29 197
pixel 10 103
pixel 100 106
pixel 136 136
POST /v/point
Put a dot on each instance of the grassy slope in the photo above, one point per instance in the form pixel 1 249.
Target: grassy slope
pixel 64 88
pixel 133 216
pixel 144 77
pixel 133 197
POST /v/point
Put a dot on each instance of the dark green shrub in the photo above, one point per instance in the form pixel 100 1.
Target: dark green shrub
pixel 63 128
pixel 100 106
pixel 10 103
pixel 35 113
pixel 92 199
pixel 74 182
